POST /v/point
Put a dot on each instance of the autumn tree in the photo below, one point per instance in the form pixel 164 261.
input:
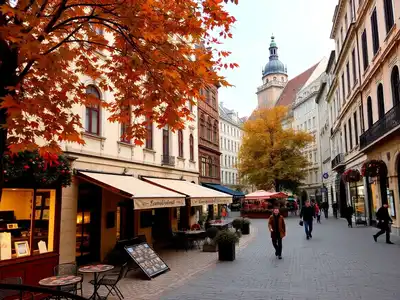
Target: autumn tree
pixel 144 51
pixel 270 155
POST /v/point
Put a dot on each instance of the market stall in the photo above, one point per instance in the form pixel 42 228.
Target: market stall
pixel 260 204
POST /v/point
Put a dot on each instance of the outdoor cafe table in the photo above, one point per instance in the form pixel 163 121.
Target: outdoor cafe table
pixel 220 224
pixel 96 270
pixel 60 281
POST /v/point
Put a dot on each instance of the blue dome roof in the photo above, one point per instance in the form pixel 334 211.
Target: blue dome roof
pixel 274 66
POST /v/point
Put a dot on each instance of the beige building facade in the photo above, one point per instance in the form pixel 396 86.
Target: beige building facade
pixel 364 106
pixel 88 229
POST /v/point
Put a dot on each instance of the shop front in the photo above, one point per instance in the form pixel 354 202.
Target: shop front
pixel 357 195
pixel 30 210
pixel 199 198
pixel 123 207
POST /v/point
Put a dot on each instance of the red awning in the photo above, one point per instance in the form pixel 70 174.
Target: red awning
pixel 261 194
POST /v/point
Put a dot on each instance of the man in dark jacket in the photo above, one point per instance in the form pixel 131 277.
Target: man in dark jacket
pixel 349 216
pixel 383 223
pixel 307 214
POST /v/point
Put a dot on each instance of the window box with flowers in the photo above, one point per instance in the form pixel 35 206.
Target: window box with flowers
pixel 30 212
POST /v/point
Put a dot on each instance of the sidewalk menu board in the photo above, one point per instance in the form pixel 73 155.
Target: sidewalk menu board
pixel 148 260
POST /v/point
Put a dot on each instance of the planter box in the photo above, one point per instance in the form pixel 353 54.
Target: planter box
pixel 246 229
pixel 255 215
pixel 210 248
pixel 227 252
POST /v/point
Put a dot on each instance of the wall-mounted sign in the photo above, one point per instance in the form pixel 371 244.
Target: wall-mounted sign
pixel 325 176
pixel 158 203
pixel 147 259
pixel 209 201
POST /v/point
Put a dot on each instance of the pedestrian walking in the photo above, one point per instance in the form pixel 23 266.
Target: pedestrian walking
pixel 277 227
pixel 307 214
pixel 384 222
pixel 325 208
pixel 223 212
pixel 317 213
pixel 334 208
pixel 349 216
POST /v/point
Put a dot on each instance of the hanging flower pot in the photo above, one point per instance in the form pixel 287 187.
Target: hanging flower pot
pixel 372 168
pixel 351 176
pixel 30 166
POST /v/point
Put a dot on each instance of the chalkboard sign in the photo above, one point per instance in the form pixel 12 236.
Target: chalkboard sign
pixel 148 260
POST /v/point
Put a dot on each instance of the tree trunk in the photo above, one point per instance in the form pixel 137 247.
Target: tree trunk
pixel 8 77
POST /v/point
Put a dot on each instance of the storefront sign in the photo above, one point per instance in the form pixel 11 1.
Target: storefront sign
pixel 158 203
pixel 209 201
pixel 148 260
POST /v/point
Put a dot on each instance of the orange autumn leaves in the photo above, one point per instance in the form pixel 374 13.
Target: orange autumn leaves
pixel 145 52
pixel 271 153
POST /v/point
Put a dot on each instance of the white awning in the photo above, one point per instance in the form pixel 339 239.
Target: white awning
pixel 199 195
pixel 145 195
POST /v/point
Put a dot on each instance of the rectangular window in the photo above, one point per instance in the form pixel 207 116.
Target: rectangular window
pixel 203 166
pixel 364 43
pixel 314 122
pixel 343 89
pixel 92 123
pixel 345 138
pixel 149 134
pixel 28 222
pixel 375 31
pixel 124 127
pixel 353 58
pixel 350 134
pixel 346 22
pixel 348 77
pixel 309 124
pixel 389 15
pixel 356 127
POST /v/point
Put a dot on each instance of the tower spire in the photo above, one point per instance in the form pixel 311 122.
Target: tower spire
pixel 273 49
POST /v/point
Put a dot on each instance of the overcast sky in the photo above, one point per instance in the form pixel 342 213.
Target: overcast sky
pixel 302 31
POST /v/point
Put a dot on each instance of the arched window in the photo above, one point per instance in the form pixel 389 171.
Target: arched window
pixel 92 120
pixel 180 143
pixel 215 134
pixel 395 81
pixel 191 143
pixel 369 112
pixel 381 102
pixel 209 130
pixel 202 127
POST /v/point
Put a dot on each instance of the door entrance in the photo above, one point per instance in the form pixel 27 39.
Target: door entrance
pixel 88 224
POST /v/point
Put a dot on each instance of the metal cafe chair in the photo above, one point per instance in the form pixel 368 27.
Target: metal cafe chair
pixel 12 293
pixel 69 269
pixel 110 281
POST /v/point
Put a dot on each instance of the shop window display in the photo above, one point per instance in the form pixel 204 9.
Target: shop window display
pixel 27 222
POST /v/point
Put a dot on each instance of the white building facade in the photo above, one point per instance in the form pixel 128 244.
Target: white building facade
pixel 231 133
pixel 305 118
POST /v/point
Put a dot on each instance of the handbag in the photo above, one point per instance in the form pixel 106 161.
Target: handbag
pixel 301 223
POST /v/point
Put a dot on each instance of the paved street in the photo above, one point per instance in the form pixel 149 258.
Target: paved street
pixel 338 263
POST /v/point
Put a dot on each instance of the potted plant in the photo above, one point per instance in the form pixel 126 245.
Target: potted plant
pixel 237 224
pixel 209 244
pixel 226 241
pixel 246 226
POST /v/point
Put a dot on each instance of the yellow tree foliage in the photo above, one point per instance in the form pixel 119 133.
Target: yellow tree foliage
pixel 270 154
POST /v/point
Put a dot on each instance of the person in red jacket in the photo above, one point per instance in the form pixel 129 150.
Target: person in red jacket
pixel 317 212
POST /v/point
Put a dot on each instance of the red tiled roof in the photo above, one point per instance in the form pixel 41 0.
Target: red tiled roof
pixel 293 86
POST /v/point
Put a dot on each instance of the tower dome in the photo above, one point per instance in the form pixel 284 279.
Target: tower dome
pixel 274 66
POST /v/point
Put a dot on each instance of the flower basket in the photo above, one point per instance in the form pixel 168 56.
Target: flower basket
pixel 351 176
pixel 42 170
pixel 372 168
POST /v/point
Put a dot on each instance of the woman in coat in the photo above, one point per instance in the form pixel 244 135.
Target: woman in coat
pixel 277 227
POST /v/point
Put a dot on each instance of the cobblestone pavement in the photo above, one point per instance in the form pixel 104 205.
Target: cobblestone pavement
pixel 184 266
pixel 338 263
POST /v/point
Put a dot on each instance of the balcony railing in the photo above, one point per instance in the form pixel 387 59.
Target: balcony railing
pixel 390 121
pixel 338 160
pixel 167 160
